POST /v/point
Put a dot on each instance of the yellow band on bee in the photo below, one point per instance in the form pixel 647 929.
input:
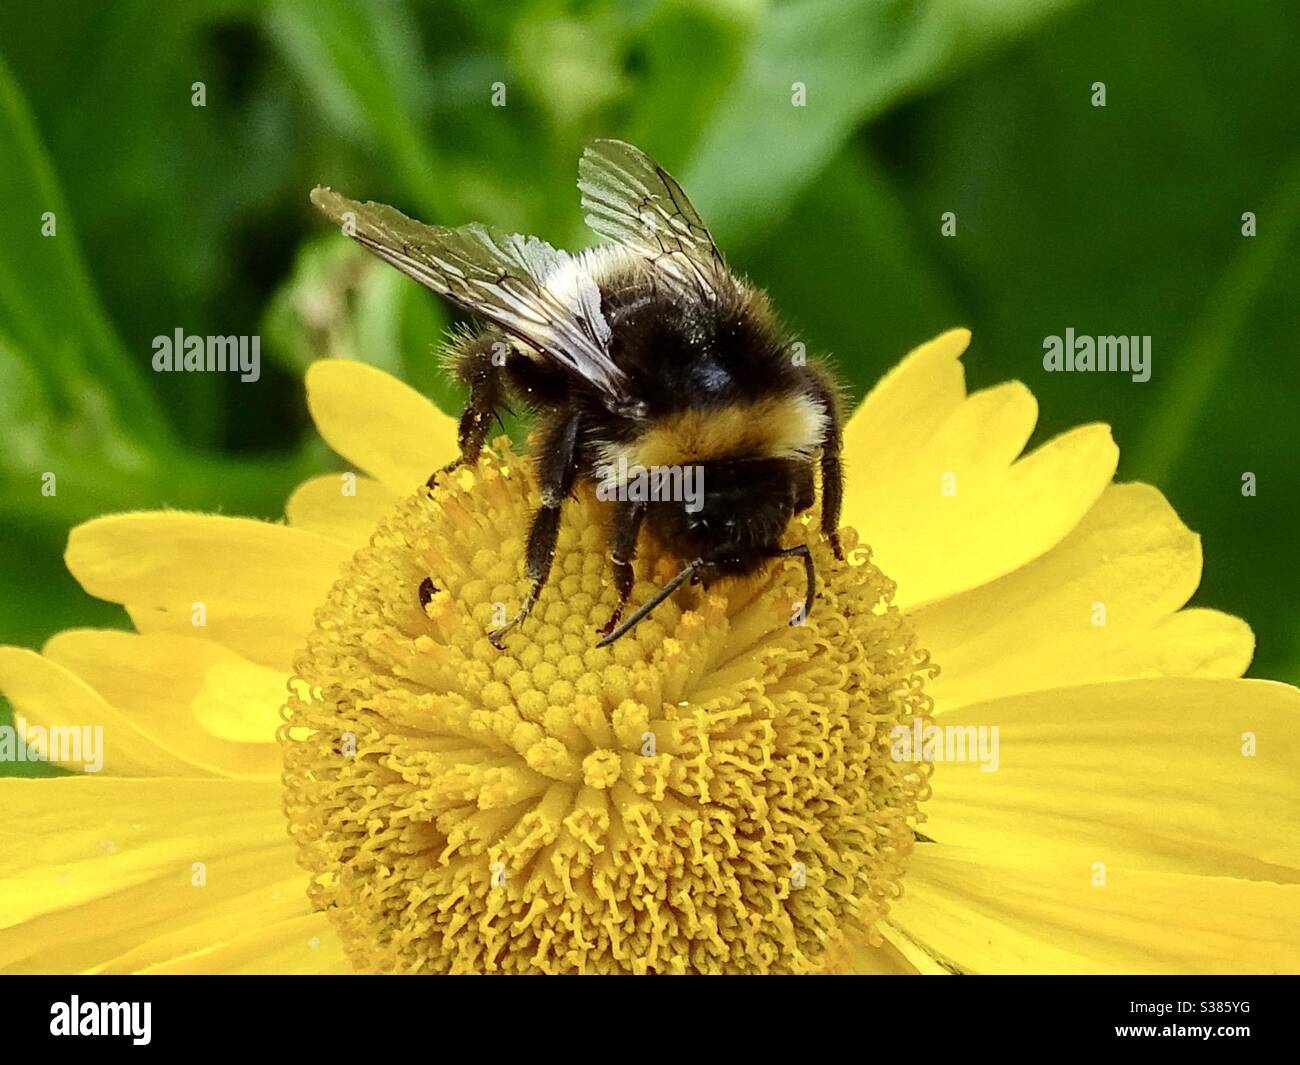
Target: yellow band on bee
pixel 774 427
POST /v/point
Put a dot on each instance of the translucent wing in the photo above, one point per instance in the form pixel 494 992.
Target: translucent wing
pixel 633 201
pixel 497 275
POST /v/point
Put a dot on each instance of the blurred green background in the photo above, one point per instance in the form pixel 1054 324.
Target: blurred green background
pixel 1117 220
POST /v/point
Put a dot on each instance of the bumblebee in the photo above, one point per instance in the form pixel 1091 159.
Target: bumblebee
pixel 643 353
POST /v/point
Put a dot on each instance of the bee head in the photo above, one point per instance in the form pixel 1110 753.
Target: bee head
pixel 732 512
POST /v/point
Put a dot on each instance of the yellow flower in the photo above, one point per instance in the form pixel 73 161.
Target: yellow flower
pixel 714 792
pixel 718 791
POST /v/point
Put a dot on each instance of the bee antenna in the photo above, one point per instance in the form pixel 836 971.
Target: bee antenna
pixel 645 608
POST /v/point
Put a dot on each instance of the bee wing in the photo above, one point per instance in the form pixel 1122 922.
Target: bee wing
pixel 501 276
pixel 633 201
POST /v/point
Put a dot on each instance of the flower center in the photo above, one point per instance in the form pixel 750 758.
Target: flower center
pixel 712 793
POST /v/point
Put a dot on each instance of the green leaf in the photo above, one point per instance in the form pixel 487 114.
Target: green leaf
pixel 48 307
pixel 847 270
pixel 1206 354
pixel 362 64
pixel 691 52
pixel 855 59
pixel 567 66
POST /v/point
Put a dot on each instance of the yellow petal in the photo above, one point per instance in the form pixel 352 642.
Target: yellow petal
pixel 1191 643
pixel 92 736
pixel 257 584
pixel 933 485
pixel 1152 774
pixel 343 507
pixel 194 697
pixel 935 545
pixel 905 409
pixel 96 869
pixel 300 945
pixel 853 956
pixel 980 913
pixel 379 424
pixel 914 954
pixel 1129 564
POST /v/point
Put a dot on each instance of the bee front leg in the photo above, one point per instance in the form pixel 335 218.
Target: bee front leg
pixel 557 469
pixel 832 467
pixel 810 575
pixel 622 550
pixel 477 360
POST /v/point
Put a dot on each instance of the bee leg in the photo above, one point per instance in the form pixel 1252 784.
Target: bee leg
pixel 801 550
pixel 689 572
pixel 476 360
pixel 622 549
pixel 832 468
pixel 557 469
